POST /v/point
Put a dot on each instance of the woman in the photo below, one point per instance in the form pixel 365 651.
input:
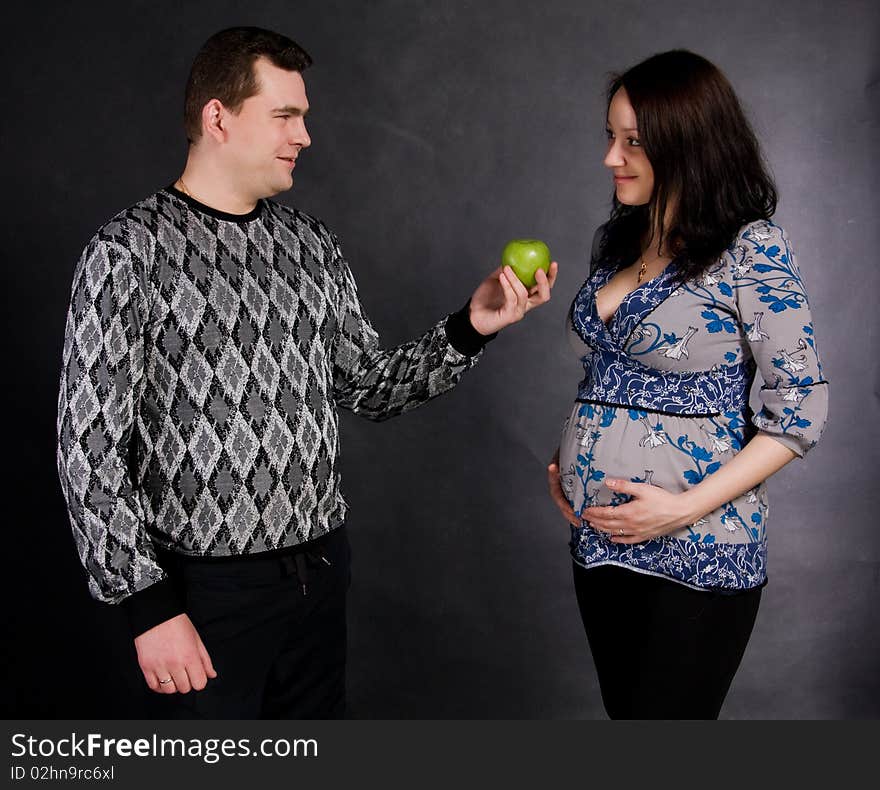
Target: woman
pixel 661 465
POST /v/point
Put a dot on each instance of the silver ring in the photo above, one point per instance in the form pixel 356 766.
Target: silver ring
pixel 167 680
pixel 620 532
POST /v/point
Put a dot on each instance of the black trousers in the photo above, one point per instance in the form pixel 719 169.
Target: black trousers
pixel 662 650
pixel 275 629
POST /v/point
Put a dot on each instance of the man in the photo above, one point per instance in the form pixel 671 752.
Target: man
pixel 211 335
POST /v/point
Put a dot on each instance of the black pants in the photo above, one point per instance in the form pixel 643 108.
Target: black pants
pixel 662 650
pixel 275 629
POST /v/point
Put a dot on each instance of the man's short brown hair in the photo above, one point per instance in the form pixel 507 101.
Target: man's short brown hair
pixel 224 70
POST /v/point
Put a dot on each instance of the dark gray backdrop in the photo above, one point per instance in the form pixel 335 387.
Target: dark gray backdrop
pixel 440 130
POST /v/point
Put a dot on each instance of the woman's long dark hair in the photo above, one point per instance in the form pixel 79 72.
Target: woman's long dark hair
pixel 706 161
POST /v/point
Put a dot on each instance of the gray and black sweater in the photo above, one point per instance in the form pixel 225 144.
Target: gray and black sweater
pixel 204 359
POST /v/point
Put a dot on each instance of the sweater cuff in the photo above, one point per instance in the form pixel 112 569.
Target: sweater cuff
pixel 151 606
pixel 461 334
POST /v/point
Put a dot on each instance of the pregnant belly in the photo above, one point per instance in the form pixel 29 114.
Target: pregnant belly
pixel 672 452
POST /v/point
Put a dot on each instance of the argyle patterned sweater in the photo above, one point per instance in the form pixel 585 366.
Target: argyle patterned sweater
pixel 205 357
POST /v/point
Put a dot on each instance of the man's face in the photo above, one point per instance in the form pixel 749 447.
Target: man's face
pixel 266 136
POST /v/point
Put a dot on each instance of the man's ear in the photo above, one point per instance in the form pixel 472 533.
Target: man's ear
pixel 214 120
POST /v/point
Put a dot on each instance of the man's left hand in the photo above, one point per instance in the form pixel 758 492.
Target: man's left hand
pixel 501 299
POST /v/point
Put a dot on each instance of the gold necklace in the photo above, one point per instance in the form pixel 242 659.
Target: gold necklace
pixel 184 189
pixel 643 268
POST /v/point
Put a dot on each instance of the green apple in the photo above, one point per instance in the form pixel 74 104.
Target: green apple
pixel 525 257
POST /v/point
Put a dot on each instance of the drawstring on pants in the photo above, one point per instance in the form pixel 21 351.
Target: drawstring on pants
pixel 300 563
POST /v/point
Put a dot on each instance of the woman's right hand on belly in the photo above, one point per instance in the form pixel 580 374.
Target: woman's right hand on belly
pixel 557 494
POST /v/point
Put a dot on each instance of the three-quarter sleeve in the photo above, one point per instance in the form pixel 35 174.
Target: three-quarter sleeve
pixel 101 383
pixel 778 327
pixel 381 383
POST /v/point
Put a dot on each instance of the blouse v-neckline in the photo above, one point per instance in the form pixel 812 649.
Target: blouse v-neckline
pixel 627 297
pixel 631 311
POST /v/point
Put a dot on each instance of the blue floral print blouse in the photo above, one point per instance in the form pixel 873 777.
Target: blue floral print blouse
pixel 665 400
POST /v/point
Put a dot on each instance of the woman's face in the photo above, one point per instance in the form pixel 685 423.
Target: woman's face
pixel 633 174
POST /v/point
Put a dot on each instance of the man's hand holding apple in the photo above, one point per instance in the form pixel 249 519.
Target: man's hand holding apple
pixel 502 299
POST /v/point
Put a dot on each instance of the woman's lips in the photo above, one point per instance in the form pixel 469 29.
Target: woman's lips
pixel 623 179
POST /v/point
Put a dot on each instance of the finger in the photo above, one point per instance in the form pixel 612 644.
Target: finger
pixel 604 513
pixel 567 513
pixel 613 527
pixel 611 532
pixel 551 275
pixel 166 682
pixel 196 674
pixel 181 680
pixel 619 532
pixel 152 681
pixel 563 504
pixel 522 295
pixel 509 294
pixel 515 282
pixel 541 292
pixel 612 524
pixel 554 478
pixel 206 660
pixel 540 275
pixel 625 486
pixel 606 528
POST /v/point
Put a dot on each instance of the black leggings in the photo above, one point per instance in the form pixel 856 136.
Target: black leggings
pixel 662 650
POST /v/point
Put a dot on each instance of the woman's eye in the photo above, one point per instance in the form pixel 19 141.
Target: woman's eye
pixel 609 134
pixel 634 143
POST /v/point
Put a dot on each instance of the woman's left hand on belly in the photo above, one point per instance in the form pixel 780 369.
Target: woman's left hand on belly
pixel 651 513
